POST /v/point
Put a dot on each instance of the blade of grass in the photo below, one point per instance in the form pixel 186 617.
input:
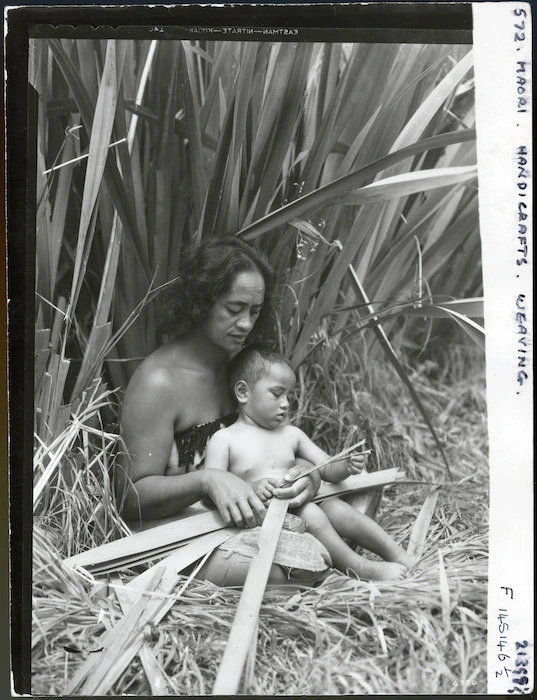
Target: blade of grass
pixel 444 594
pixel 421 118
pixel 140 91
pixel 273 99
pixel 227 219
pixel 192 111
pixel 88 676
pixel 473 308
pixel 409 183
pixel 418 536
pixel 471 328
pixel 283 130
pixel 98 150
pixel 213 196
pixel 324 195
pixel 59 213
pixel 86 108
pixel 158 681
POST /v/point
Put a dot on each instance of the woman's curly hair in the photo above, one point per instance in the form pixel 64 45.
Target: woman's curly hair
pixel 205 273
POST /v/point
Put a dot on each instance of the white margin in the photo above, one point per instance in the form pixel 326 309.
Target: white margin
pixel 502 45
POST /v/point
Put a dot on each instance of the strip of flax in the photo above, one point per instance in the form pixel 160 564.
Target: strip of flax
pixel 358 482
pixel 153 609
pixel 244 624
pixel 160 536
pixel 112 639
pixel 158 680
pixel 157 541
pixel 340 455
pixel 156 610
pixel 155 554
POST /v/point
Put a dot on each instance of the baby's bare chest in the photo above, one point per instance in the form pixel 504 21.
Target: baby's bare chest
pixel 262 456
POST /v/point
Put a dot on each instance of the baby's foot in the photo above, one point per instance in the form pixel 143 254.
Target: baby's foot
pixel 384 571
pixel 405 559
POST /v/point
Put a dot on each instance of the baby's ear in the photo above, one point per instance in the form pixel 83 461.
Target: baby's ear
pixel 241 391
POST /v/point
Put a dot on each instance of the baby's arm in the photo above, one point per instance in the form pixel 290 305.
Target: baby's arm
pixel 307 449
pixel 336 471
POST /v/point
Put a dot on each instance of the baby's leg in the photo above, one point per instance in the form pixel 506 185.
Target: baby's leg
pixel 343 557
pixel 364 531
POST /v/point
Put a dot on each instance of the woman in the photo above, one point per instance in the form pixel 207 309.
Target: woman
pixel 179 396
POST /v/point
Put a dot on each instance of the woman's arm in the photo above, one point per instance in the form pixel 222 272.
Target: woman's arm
pixel 143 489
pixel 147 429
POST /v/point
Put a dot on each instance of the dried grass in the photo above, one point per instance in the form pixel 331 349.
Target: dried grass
pixel 344 636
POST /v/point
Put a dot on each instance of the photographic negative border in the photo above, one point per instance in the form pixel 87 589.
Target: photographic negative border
pixel 497 106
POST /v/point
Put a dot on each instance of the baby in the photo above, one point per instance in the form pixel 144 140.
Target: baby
pixel 261 446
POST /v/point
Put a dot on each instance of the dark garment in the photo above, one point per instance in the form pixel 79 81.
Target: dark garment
pixel 191 444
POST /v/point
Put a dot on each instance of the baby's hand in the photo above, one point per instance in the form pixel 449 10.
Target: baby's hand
pixel 356 462
pixel 264 488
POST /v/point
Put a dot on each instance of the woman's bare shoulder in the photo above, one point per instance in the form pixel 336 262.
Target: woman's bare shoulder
pixel 159 384
pixel 160 372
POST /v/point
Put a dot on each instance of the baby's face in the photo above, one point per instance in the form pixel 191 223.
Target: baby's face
pixel 268 399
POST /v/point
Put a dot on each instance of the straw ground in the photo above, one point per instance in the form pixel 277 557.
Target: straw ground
pixel 425 634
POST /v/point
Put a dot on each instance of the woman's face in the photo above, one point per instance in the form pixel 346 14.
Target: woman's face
pixel 233 316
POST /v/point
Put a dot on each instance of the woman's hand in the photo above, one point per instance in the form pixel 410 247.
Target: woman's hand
pixel 236 500
pixel 264 488
pixel 302 490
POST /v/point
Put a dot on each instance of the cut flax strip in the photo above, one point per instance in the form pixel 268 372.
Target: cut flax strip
pixel 359 482
pixel 156 610
pixel 245 622
pixel 179 556
pixel 97 680
pixel 112 641
pixel 158 680
pixel 154 542
pixel 152 555
pixel 249 666
pixel 146 541
pixel 330 460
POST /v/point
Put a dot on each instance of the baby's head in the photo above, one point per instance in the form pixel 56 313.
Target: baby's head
pixel 261 380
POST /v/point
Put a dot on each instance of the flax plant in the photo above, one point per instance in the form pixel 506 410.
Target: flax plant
pixel 352 166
